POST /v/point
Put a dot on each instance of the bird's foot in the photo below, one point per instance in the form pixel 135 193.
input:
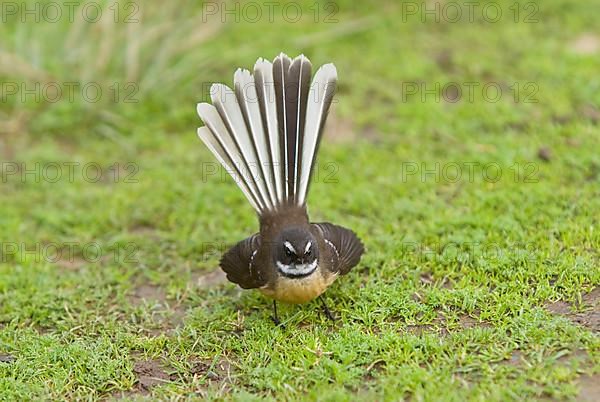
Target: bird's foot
pixel 328 313
pixel 274 317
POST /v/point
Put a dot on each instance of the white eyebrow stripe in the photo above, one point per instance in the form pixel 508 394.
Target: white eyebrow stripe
pixel 308 246
pixel 289 247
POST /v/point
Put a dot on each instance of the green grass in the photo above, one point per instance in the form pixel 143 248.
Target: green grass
pixel 453 299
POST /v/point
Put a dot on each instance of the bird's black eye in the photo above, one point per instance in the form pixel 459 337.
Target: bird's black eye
pixel 288 252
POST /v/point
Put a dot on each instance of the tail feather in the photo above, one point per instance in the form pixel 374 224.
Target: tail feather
pixel 296 103
pixel 265 91
pixel 319 101
pixel 224 99
pixel 281 66
pixel 245 90
pixel 270 128
pixel 216 147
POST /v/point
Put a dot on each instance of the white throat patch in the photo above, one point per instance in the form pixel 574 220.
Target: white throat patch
pixel 297 270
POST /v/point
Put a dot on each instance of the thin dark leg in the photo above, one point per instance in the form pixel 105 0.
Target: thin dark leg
pixel 326 309
pixel 274 317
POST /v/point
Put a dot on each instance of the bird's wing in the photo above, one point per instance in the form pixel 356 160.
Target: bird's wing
pixel 342 244
pixel 240 266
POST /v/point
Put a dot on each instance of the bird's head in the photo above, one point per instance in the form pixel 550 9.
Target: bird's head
pixel 296 252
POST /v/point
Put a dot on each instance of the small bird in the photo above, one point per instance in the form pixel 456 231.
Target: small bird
pixel 266 133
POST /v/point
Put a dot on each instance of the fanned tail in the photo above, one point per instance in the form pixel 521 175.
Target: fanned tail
pixel 267 132
pixel 319 101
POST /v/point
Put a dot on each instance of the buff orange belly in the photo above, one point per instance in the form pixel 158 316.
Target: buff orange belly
pixel 302 290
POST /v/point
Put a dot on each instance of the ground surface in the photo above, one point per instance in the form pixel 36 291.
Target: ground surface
pixel 481 287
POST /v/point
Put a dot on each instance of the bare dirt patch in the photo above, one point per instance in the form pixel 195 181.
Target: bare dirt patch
pixel 165 315
pixel 441 325
pixel 219 371
pixel 518 357
pixel 445 61
pixel 214 373
pixel 591 113
pixel 589 388
pixel 149 373
pixel 427 278
pixel 374 369
pixel 343 130
pixel 147 292
pixel 74 263
pixel 206 280
pixel 544 154
pixel 340 129
pixel 589 385
pixel 588 314
pixel 466 321
pixel 586 44
pixel 155 372
pixel 6 358
pixel 144 230
pixel 438 325
pixel 515 359
pixel 425 329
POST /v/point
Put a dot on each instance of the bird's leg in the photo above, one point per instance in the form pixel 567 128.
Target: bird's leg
pixel 326 309
pixel 274 317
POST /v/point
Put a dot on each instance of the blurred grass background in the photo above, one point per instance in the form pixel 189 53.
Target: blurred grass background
pixel 414 323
